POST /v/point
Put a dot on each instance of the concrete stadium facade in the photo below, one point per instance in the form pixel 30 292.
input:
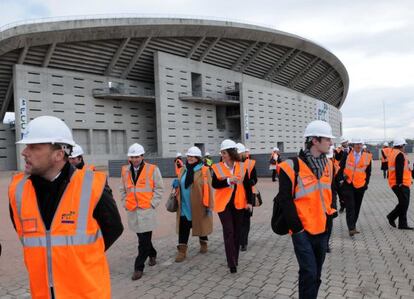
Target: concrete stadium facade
pixel 167 84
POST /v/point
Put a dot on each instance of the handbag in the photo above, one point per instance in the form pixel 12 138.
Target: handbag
pixel 278 222
pixel 172 203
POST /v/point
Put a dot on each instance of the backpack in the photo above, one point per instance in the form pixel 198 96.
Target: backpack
pixel 278 222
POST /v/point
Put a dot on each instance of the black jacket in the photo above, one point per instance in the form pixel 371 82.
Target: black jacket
pixel 287 200
pixel 399 168
pixel 48 196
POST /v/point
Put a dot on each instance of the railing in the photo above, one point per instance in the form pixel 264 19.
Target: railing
pixel 210 95
pixel 123 91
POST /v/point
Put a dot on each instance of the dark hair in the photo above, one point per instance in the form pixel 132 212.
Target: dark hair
pixel 309 143
pixel 233 154
pixel 58 146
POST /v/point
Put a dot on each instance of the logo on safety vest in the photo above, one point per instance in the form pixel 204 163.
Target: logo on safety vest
pixel 68 218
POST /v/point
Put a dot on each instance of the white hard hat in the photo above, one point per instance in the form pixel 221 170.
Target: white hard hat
pixel 343 140
pixel 207 154
pixel 240 148
pixel 178 154
pixel 76 151
pixel 357 141
pixel 364 146
pixel 247 149
pixel 227 144
pixel 136 150
pixel 47 129
pixel 386 144
pixel 194 152
pixel 399 141
pixel 318 128
pixel 275 149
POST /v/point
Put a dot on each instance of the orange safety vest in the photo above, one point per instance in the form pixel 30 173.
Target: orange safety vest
pixel 312 197
pixel 392 175
pixel 223 195
pixel 206 190
pixel 387 152
pixel 138 195
pixel 356 173
pixel 89 166
pixel 70 257
pixel 178 169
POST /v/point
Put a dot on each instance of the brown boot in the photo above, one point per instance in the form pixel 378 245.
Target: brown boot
pixel 181 253
pixel 137 275
pixel 152 261
pixel 203 246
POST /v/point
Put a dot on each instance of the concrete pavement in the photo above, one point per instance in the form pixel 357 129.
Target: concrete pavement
pixel 378 263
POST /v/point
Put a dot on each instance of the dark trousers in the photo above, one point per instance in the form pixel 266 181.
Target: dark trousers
pixel 310 252
pixel 145 250
pixel 385 173
pixel 232 221
pixel 184 231
pixel 274 175
pixel 329 224
pixel 400 210
pixel 341 198
pixel 353 200
pixel 245 229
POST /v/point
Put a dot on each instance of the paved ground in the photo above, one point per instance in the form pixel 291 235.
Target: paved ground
pixel 378 263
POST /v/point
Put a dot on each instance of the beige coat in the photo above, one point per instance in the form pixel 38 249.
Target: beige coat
pixel 202 224
pixel 145 220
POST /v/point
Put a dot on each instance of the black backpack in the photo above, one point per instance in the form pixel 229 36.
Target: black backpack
pixel 278 222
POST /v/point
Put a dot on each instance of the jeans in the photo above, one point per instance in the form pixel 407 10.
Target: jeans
pixel 184 231
pixel 145 250
pixel 310 252
pixel 400 211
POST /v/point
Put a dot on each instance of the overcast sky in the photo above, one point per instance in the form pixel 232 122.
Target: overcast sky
pixel 373 38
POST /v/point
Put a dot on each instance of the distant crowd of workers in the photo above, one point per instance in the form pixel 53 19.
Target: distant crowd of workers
pixel 66 217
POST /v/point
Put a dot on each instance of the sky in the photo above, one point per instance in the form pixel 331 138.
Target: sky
pixel 374 39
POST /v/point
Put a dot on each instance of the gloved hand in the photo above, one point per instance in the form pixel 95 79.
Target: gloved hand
pixel 334 215
pixel 175 183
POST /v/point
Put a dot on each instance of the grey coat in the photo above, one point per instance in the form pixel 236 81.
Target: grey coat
pixel 145 220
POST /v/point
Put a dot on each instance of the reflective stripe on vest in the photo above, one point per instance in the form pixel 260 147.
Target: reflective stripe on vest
pixel 356 172
pixel 138 197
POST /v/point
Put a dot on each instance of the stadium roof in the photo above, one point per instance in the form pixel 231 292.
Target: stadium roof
pixel 124 47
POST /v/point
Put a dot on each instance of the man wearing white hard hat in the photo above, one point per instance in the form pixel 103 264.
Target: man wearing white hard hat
pixel 385 152
pixel 178 163
pixel 308 208
pixel 354 175
pixel 76 158
pixel 400 180
pixel 62 215
pixel 195 203
pixel 273 162
pixel 141 193
pixel 250 165
pixel 233 195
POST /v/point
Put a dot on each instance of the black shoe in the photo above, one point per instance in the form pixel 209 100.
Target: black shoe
pixel 328 249
pixel 243 247
pixel 152 261
pixel 233 270
pixel 391 221
pixel 406 227
pixel 137 275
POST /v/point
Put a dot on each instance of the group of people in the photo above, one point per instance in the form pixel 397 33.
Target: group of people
pixel 66 217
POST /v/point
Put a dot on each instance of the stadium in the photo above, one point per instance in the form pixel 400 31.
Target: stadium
pixel 166 83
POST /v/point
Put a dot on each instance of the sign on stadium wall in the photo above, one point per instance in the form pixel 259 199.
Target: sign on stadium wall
pixel 322 111
pixel 23 115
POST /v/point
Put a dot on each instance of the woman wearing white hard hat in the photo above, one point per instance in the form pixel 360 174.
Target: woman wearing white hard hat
pixel 273 162
pixel 178 163
pixel 400 181
pixel 76 158
pixel 195 202
pixel 233 196
pixel 250 165
pixel 306 210
pixel 72 209
pixel 385 152
pixel 141 192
